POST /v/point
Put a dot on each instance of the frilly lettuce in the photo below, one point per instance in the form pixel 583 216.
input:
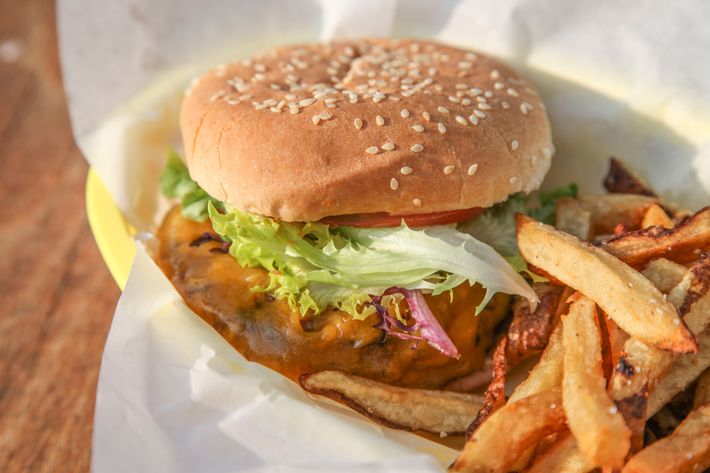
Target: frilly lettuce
pixel 315 266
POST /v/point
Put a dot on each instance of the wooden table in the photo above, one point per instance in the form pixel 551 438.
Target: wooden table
pixel 56 296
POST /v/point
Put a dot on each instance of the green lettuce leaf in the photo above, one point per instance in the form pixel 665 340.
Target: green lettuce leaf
pixel 176 183
pixel 314 265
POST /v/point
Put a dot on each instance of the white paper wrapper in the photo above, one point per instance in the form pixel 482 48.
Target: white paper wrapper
pixel 173 396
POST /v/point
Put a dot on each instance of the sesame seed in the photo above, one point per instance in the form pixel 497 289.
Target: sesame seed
pixel 472 169
pixel 394 184
pixel 275 109
pixel 389 146
pixel 372 150
pixel 488 93
pixel 417 202
pixel 461 86
pixel 505 105
pixel 533 159
pixel 495 74
pixel 325 115
pixel 404 113
pixel 476 91
pixel 449 169
pixel 479 114
pixel 259 68
pixel 315 119
pixel 547 153
pixel 481 99
pixel 454 99
pixel 418 128
pixel 525 107
pixel 512 92
pixel 513 180
pixel 426 116
pixel 514 145
pixel 473 119
pixel 294 110
pixel 466 102
pixel 330 100
pixel 306 102
pixel 379 120
pixel 484 106
pixel 290 97
pixel 358 123
pixel 275 86
pixel 441 128
pixel 218 95
pixel 416 148
pixel 232 101
pixel 461 120
pixel 245 97
pixel 442 109
pixel 406 170
pixel 498 85
pixel 465 65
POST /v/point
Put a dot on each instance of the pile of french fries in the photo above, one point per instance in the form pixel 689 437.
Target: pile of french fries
pixel 623 326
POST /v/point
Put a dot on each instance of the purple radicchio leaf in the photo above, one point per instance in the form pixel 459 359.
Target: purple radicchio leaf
pixel 429 328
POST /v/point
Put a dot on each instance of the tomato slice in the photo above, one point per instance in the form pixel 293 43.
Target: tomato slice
pixel 381 219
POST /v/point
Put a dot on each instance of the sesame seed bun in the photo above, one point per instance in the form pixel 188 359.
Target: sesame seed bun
pixel 398 126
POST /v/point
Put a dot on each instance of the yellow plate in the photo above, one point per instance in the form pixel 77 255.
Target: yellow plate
pixel 112 233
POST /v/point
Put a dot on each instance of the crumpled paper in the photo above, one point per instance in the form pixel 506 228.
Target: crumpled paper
pixel 631 81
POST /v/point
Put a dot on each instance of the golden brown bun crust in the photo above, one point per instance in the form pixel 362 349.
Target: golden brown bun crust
pixel 253 142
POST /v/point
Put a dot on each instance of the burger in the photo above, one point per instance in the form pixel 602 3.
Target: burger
pixel 349 206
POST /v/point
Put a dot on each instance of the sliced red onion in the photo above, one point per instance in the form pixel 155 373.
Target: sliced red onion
pixel 429 328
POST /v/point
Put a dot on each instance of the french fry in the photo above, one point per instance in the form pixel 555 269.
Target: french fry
pixel 608 211
pixel 687 449
pixel 594 420
pixel 682 243
pixel 679 375
pixel 621 180
pixel 547 373
pixel 624 294
pixel 510 431
pixel 395 407
pixel 656 217
pixel 641 364
pixel 529 331
pixel 570 217
pixel 664 273
pixel 494 397
pixel 702 389
pixel 564 457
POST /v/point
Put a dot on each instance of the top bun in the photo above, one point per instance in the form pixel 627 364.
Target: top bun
pixel 378 125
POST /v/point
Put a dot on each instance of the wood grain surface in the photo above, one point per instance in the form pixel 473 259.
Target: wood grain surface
pixel 56 296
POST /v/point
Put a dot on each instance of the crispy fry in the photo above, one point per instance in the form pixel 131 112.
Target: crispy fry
pixel 621 180
pixel 641 364
pixel 624 294
pixel 681 374
pixel 702 389
pixel 564 457
pixel 594 420
pixel 686 450
pixel 664 274
pixel 547 373
pixel 682 243
pixel 494 397
pixel 656 217
pixel 395 407
pixel 570 217
pixel 510 431
pixel 529 332
pixel 616 340
pixel 608 211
